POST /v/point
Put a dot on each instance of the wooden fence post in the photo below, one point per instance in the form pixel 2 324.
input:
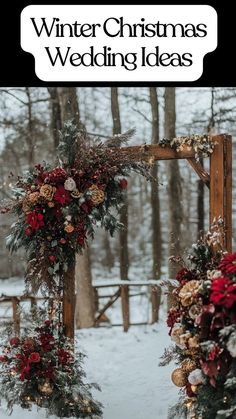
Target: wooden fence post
pixel 124 293
pixel 16 315
pixel 221 185
pixel 69 301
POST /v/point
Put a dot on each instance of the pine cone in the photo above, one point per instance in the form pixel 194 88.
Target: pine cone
pixel 76 194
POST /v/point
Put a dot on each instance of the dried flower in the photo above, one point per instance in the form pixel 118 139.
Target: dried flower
pixel 47 192
pixel 70 184
pixel 33 197
pixel 189 291
pixel 69 228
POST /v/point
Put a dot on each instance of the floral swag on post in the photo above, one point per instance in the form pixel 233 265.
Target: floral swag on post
pixel 202 323
pixel 58 208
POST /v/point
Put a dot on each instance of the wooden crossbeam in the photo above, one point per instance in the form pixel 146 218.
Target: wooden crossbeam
pixel 201 172
pixel 157 152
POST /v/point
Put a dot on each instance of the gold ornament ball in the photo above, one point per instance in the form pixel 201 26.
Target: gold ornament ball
pixel 189 365
pixel 179 377
pixel 46 388
pixel 194 389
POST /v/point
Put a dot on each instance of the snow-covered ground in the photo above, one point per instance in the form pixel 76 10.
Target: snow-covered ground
pixel 125 365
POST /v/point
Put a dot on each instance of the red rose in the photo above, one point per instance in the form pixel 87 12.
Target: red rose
pixel 34 357
pixel 223 292
pixel 3 358
pixel 35 220
pixel 123 183
pixel 63 241
pixel 52 258
pixel 62 195
pixel 47 322
pixel 228 265
pixel 14 341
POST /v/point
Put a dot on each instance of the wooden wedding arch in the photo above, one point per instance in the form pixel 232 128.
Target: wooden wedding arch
pixel 218 180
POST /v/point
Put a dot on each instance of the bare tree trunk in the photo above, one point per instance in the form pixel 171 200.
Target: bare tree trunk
pixel 174 184
pixel 56 123
pixel 124 251
pixel 84 312
pixel 155 203
pixel 31 136
pixel 109 257
pixel 85 298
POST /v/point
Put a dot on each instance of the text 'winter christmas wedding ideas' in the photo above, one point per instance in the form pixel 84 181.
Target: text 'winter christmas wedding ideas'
pixel 139 43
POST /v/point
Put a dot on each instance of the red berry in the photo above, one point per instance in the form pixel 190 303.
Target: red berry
pixel 123 183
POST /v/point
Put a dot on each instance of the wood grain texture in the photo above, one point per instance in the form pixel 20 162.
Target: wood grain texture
pixel 221 186
pixel 228 191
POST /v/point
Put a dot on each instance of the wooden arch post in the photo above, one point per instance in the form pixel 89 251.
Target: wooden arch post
pixel 219 181
pixel 221 185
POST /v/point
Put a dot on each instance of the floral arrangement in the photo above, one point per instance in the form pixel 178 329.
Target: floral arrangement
pixel 42 369
pixel 201 144
pixel 59 207
pixel 202 324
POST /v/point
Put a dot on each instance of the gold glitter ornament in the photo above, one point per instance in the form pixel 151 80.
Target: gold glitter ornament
pixel 96 195
pixel 193 342
pixel 47 192
pixel 46 388
pixel 179 377
pixel 188 292
pixel 188 365
pixel 194 389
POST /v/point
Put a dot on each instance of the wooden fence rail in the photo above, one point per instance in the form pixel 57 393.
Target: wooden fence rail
pixel 152 285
